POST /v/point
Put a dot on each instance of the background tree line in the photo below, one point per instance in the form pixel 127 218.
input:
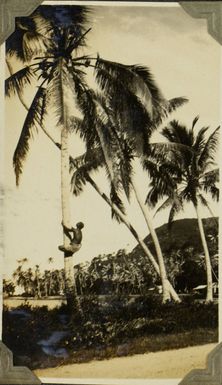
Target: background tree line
pixel 129 273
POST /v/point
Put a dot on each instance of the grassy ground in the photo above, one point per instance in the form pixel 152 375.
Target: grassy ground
pixel 116 328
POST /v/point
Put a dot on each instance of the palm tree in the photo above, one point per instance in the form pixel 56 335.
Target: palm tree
pixel 18 276
pixel 37 281
pixel 129 132
pixel 60 69
pixel 50 260
pixel 55 73
pixel 29 281
pixel 82 167
pixel 187 178
pixel 125 147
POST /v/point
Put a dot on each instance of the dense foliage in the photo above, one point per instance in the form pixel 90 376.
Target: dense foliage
pixel 130 274
pixel 115 327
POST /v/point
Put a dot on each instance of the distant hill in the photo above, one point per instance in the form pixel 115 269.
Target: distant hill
pixel 132 273
pixel 183 233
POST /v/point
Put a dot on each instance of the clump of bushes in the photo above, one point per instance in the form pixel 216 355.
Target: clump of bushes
pixel 113 327
pixel 121 320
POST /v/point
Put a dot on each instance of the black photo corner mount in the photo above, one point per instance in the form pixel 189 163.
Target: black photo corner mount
pixel 212 12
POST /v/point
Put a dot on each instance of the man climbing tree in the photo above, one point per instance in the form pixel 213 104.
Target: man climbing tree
pixel 75 239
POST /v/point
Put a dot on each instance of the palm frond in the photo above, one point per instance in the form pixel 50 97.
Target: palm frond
pixel 175 103
pixel 203 200
pixel 165 205
pixel 200 140
pixel 209 148
pixel 98 130
pixel 177 133
pixel 43 25
pixel 190 191
pixel 177 206
pixel 150 165
pixel 90 160
pixel 56 91
pixel 18 81
pixel 137 78
pixel 123 146
pixel 74 16
pixel 86 102
pixel 78 181
pixel 133 116
pixel 210 177
pixel 164 180
pixel 34 116
pixel 213 190
pixel 31 37
pixel 205 203
pixel 14 44
pixel 75 124
pixel 140 82
pixel 115 199
pixel 34 44
pixel 160 187
pixel 170 152
pixel 175 202
pixel 194 122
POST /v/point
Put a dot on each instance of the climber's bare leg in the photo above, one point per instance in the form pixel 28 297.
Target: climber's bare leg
pixel 70 250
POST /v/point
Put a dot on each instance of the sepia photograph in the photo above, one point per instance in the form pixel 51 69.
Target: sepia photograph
pixel 111 191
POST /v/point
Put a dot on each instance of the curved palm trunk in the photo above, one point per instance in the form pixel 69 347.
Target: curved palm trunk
pixel 209 296
pixel 163 274
pixel 135 235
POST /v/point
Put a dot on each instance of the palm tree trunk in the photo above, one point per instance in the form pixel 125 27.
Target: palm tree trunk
pixel 209 296
pixel 134 233
pixel 163 274
pixel 70 285
pixel 71 293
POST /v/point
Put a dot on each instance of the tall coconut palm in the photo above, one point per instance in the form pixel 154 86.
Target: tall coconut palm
pixel 30 38
pixel 188 178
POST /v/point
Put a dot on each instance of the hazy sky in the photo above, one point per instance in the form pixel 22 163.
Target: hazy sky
pixel 184 60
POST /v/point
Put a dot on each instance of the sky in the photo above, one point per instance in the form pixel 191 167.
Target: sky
pixel 185 61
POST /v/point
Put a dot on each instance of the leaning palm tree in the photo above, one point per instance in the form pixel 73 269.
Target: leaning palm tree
pixel 82 167
pixel 188 178
pixel 126 147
